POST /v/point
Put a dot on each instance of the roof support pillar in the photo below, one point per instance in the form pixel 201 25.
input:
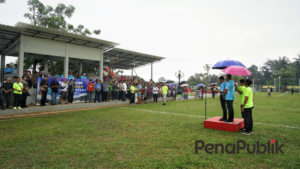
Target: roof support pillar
pixel 66 62
pixel 46 65
pixel 131 72
pixel 151 70
pixel 101 65
pixel 21 57
pixel 2 66
pixel 80 67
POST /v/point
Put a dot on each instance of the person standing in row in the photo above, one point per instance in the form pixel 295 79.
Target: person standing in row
pixel 44 89
pixel 269 92
pixel 24 92
pixel 155 93
pixel 64 91
pixel 120 90
pixel 97 91
pixel 105 91
pixel 292 91
pixel 124 90
pixel 164 93
pixel 18 87
pixel 229 98
pixel 132 92
pixel 247 108
pixel 90 91
pixel 115 90
pixel 71 90
pixel 54 86
pixel 222 100
pixel 6 93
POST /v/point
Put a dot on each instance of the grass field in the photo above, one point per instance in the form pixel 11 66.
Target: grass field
pixel 150 136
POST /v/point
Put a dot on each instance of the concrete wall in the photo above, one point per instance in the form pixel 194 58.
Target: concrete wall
pixel 55 48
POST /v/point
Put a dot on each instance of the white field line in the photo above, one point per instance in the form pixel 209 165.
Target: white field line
pixel 282 94
pixel 268 124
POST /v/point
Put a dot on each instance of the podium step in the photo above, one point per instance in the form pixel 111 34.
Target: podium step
pixel 214 123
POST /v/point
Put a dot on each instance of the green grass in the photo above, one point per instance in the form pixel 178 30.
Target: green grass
pixel 130 138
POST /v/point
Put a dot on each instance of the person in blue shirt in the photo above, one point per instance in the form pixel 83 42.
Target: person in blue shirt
pixel 222 100
pixel 83 76
pixel 8 69
pixel 228 95
pixel 71 76
pixel 62 76
pixel 57 75
pixel 15 69
pixel 97 91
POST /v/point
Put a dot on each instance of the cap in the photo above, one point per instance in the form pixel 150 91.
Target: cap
pixel 8 78
pixel 84 74
pixel 64 78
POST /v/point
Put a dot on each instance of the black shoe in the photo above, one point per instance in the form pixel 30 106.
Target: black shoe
pixel 3 109
pixel 227 121
pixel 222 119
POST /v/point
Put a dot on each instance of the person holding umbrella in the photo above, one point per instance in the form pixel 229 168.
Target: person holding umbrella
pixel 222 100
pixel 228 95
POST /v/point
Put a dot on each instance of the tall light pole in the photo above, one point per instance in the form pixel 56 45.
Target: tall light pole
pixel 179 75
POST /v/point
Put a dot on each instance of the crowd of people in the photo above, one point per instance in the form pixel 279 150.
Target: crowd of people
pixel 122 89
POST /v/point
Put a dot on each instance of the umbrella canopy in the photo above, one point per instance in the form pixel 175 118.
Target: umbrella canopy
pixel 201 85
pixel 213 84
pixel 237 70
pixel 169 85
pixel 184 85
pixel 169 81
pixel 225 63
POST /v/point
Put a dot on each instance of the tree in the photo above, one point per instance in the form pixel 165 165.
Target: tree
pixel 296 66
pixel 206 68
pixel 2 1
pixel 55 18
pixel 162 79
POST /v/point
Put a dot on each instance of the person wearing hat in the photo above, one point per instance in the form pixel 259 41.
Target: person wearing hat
pixel 64 93
pixel 84 76
pixel 18 87
pixel 8 69
pixel 90 91
pixel 44 85
pixel 6 93
pixel 15 69
pixel 71 90
pixel 54 86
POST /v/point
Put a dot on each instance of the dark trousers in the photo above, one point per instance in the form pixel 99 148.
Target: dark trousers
pixel 17 99
pixel 70 97
pixel 155 97
pixel 88 96
pixel 292 92
pixel 115 95
pixel 223 105
pixel 132 97
pixel 97 96
pixel 104 97
pixel 120 96
pixel 7 98
pixel 44 97
pixel 123 96
pixel 248 119
pixel 242 113
pixel 230 110
pixel 23 100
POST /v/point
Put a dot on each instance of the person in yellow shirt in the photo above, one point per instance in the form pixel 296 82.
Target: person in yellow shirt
pixel 132 94
pixel 247 107
pixel 18 87
pixel 164 93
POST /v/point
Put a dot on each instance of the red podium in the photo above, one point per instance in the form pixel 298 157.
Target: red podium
pixel 214 123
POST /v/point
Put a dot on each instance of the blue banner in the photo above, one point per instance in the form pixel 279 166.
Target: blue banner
pixel 80 90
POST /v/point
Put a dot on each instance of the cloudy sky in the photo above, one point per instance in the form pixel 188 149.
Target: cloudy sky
pixel 189 33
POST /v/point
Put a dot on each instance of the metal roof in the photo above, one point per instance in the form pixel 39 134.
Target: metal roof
pixel 117 58
pixel 126 59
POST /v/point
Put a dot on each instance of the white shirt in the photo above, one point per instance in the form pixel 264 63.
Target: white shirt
pixel 64 85
pixel 124 87
pixel 155 90
pixel 268 90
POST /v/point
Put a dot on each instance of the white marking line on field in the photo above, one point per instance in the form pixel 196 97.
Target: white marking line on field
pixel 268 124
pixel 282 94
